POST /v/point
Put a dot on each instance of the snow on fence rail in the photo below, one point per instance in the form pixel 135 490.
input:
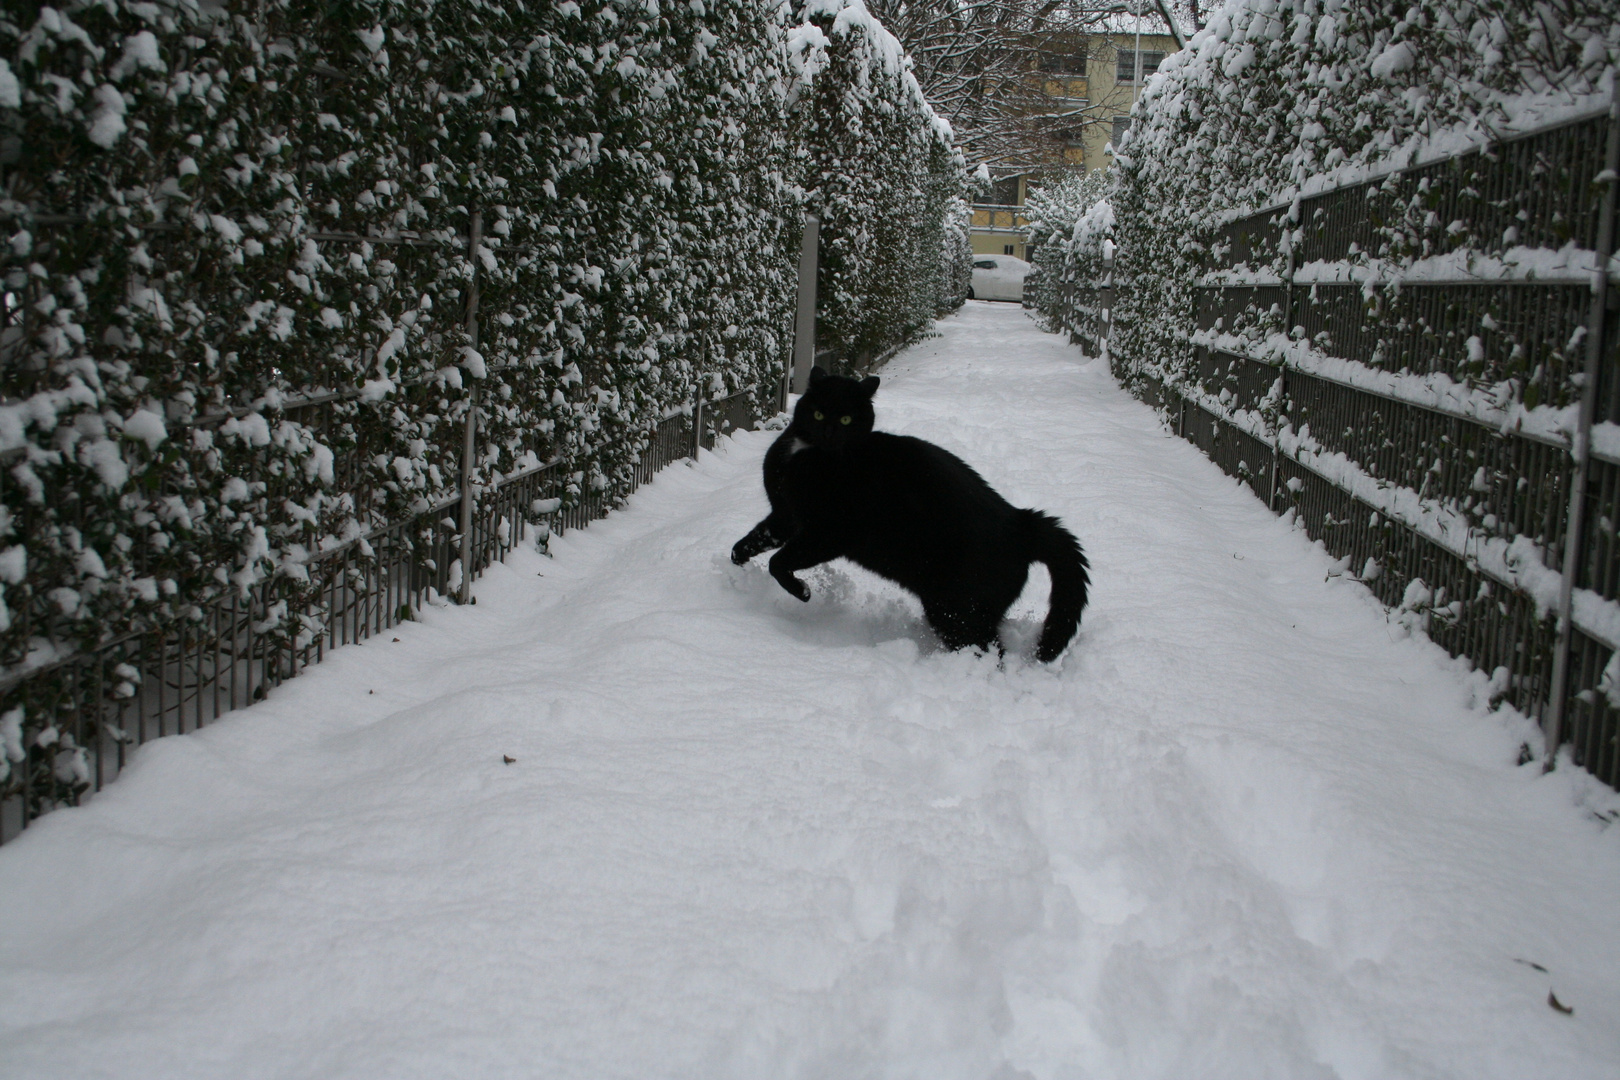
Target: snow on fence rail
pixel 89 706
pixel 177 677
pixel 1449 436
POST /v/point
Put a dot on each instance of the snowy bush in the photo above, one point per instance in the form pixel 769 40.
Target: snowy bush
pixel 238 299
pixel 883 174
pixel 1068 223
pixel 956 254
pixel 1403 344
pixel 1275 98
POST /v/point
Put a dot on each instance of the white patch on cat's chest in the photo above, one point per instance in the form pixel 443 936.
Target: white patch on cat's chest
pixel 796 445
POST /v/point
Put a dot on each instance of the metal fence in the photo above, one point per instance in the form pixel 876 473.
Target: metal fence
pixel 177 678
pixel 174 678
pixel 1421 497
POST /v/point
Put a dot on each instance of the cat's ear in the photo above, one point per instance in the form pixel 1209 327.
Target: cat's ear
pixel 869 385
pixel 816 375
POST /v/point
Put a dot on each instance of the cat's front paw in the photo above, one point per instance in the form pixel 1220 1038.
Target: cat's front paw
pixel 795 587
pixel 757 540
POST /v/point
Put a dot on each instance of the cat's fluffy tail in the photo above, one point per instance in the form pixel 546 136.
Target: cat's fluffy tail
pixel 1052 544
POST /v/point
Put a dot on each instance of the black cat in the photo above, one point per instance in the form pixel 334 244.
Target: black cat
pixel 912 512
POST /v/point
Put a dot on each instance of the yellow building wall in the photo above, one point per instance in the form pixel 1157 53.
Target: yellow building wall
pixel 996 244
pixel 996 227
pixel 1110 98
pixel 1106 98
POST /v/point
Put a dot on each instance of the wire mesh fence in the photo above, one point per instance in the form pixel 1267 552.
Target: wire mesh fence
pixel 1421 368
pixel 177 678
pixel 69 714
pixel 1087 309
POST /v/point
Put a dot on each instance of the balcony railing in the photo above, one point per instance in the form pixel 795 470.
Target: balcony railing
pixel 999 216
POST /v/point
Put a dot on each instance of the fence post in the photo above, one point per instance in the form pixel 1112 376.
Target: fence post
pixel 804 323
pixel 697 425
pixel 469 446
pixel 1575 520
pixel 1107 299
pixel 1288 239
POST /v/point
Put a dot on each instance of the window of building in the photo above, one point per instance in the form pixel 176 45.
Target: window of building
pixel 1064 63
pixel 1126 70
pixel 1006 249
pixel 1122 124
pixel 1005 192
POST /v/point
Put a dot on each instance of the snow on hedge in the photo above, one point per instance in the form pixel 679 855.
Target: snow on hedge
pixel 1275 99
pixel 1070 223
pixel 884 174
pixel 205 383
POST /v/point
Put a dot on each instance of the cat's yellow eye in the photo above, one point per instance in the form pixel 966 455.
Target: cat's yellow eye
pixel 819 415
pixel 843 419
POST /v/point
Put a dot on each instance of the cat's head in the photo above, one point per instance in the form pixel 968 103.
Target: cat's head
pixel 834 409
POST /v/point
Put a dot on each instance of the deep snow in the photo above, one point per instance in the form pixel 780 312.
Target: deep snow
pixel 1245 828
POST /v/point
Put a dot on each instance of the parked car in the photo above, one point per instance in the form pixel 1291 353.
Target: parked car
pixel 998 277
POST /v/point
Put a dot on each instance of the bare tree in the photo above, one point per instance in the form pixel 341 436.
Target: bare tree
pixel 985 65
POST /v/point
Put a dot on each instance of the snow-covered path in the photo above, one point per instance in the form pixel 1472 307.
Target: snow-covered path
pixel 1244 829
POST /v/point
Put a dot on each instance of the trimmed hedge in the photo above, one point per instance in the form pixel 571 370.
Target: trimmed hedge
pixel 1392 355
pixel 1278 96
pixel 244 319
pixel 882 173
pixel 1068 224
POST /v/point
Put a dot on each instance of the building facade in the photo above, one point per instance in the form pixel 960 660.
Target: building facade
pixel 1095 81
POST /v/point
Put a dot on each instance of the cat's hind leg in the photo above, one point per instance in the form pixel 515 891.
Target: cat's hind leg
pixel 962 626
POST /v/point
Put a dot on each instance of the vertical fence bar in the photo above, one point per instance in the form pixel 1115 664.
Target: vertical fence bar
pixel 1290 240
pixel 1575 519
pixel 1106 299
pixel 469 448
pixel 804 323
